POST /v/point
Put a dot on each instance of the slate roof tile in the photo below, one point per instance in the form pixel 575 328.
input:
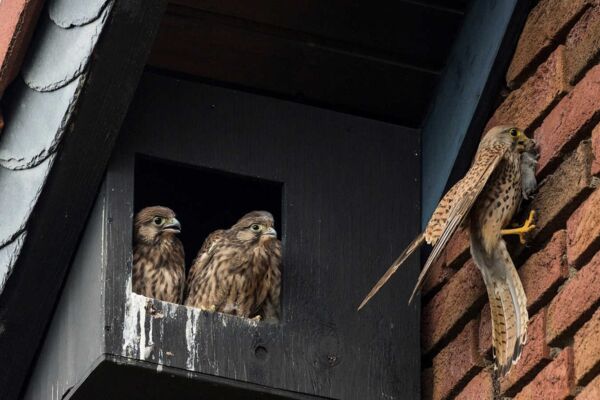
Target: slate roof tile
pixel 68 13
pixel 58 55
pixel 37 111
pixel 8 257
pixel 19 194
pixel 29 136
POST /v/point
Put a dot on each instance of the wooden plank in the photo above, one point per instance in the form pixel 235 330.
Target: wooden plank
pixel 350 203
pixel 219 49
pixel 71 187
pixel 75 338
pixel 412 32
pixel 463 101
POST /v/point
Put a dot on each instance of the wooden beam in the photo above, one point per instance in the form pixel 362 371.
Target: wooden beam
pixel 228 50
pixel 412 32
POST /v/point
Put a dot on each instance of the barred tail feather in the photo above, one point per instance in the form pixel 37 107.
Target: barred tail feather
pixel 508 303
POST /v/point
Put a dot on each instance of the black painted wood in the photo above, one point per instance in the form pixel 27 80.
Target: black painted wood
pixel 229 51
pixel 70 190
pixel 418 33
pixel 350 202
pixel 140 380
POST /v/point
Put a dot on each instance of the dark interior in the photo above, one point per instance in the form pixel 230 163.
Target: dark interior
pixel 204 199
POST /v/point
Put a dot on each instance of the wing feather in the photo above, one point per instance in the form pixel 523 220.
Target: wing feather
pixel 202 258
pixel 477 177
pixel 415 244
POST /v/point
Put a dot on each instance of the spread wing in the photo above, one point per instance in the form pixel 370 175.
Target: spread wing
pixel 467 192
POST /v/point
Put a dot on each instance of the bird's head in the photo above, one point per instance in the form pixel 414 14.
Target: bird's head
pixel 153 223
pixel 507 134
pixel 256 226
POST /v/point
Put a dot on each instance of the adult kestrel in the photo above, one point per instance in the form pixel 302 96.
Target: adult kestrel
pixel 485 200
pixel 158 257
pixel 237 271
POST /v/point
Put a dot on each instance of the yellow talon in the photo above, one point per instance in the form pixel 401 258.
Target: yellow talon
pixel 211 309
pixel 527 227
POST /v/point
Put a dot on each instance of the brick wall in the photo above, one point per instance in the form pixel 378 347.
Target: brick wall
pixel 554 94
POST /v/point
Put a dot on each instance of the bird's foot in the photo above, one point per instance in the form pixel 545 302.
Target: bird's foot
pixel 522 231
pixel 212 308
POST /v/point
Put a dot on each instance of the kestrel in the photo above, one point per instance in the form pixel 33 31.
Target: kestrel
pixel 485 200
pixel 237 271
pixel 158 257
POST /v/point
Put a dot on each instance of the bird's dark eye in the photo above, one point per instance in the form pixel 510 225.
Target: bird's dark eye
pixel 158 220
pixel 255 227
pixel 513 132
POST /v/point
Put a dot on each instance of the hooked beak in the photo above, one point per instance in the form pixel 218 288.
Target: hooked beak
pixel 522 140
pixel 172 226
pixel 270 232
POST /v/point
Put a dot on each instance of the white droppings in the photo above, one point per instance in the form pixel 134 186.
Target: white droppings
pixel 134 333
pixel 150 338
pixel 159 368
pixel 190 338
pixel 147 352
pixel 142 328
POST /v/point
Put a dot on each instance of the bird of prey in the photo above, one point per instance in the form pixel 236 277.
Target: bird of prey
pixel 237 271
pixel 485 201
pixel 158 257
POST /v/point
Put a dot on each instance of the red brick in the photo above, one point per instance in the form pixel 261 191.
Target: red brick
pixel 583 44
pixel 545 270
pixel 587 350
pixel 536 96
pixel 536 354
pixel 580 295
pixel 480 388
pixel 561 193
pixel 591 391
pixel 583 228
pixel 596 150
pixel 438 275
pixel 544 26
pixel 456 362
pixel 457 249
pixel 554 382
pixel 462 294
pixel 569 121
pixel 17 22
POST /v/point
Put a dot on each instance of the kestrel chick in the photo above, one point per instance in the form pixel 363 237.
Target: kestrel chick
pixel 158 257
pixel 485 200
pixel 237 271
